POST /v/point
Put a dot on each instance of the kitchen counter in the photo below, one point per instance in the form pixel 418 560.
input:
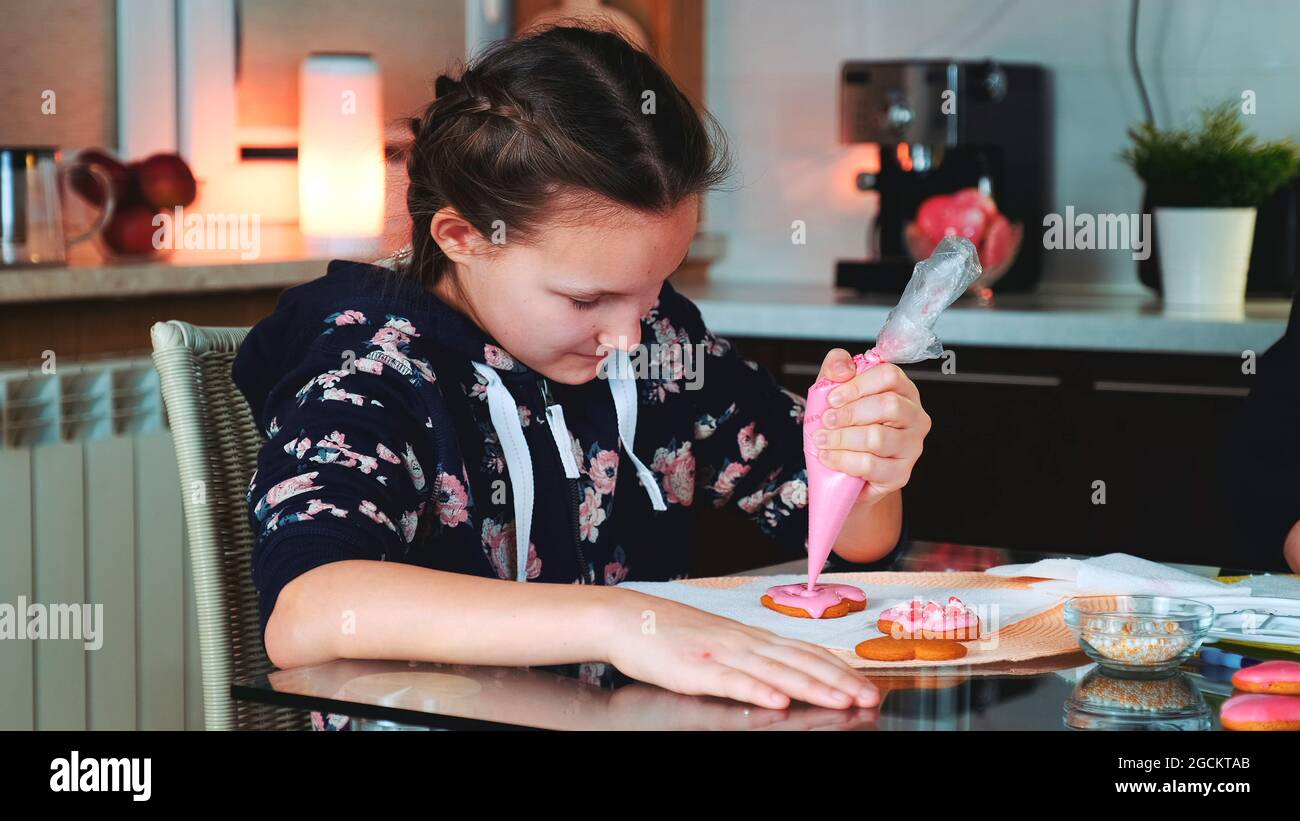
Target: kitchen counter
pixel 1130 323
pixel 1122 323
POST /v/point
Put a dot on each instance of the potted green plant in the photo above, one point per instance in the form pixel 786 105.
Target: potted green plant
pixel 1205 185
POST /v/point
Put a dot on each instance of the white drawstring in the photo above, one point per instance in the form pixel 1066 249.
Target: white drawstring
pixel 505 418
pixel 624 389
pixel 519 463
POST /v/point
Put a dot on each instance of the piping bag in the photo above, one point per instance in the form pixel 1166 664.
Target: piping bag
pixel 906 336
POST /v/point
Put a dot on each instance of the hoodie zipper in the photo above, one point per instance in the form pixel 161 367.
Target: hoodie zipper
pixel 574 503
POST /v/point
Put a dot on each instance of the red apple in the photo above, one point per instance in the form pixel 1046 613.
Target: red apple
pixel 166 181
pixel 131 230
pixel 968 197
pixel 999 243
pixel 88 185
pixel 959 214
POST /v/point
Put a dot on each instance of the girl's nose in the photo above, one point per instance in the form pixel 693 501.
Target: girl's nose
pixel 625 336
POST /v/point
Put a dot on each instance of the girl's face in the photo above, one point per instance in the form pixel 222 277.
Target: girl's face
pixel 560 302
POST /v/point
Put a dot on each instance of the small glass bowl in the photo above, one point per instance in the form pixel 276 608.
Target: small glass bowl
pixel 1138 635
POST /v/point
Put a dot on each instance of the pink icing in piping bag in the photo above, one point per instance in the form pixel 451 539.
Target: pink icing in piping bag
pixel 907 336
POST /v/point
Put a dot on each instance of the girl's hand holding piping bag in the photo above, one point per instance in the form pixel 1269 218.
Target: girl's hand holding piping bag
pixel 874 430
pixel 864 419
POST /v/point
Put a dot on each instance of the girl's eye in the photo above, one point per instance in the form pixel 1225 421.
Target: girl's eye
pixel 583 306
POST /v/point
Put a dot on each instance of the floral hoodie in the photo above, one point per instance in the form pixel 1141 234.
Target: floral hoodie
pixel 377 400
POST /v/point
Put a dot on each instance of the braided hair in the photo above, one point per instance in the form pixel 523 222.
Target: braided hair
pixel 561 110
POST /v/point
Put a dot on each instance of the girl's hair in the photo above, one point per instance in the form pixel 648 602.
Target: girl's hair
pixel 574 112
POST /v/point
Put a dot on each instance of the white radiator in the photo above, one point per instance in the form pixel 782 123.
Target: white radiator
pixel 90 514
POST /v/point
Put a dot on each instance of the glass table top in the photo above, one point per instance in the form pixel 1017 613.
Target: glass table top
pixel 1059 692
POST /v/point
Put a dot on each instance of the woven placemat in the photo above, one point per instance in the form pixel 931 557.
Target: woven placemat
pixel 1036 637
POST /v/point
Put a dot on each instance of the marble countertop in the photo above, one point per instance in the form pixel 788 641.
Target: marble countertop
pixel 1124 322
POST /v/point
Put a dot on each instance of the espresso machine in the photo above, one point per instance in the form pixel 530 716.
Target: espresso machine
pixel 942 126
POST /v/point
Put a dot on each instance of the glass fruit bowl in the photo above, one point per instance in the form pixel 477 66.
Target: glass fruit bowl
pixel 1138 635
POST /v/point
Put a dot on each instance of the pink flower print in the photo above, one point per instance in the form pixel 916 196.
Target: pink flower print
pixel 426 373
pixel 479 391
pixel 334 445
pixel 273 428
pixel 302 483
pixel 678 470
pixel 315 506
pixel 750 444
pixel 401 324
pixel 340 395
pixel 324 380
pixel 616 571
pixel 707 425
pixel 298 447
pixel 390 340
pixel 428 421
pixel 756 500
pixel 413 467
pixel 376 515
pixel 349 318
pixel 410 521
pixel 658 391
pixel 665 333
pixel 794 493
pixel 525 416
pixel 500 543
pixel 371 366
pixel 498 358
pixel 452 501
pixel 725 484
pixel 590 516
pixel 387 455
pixel 603 471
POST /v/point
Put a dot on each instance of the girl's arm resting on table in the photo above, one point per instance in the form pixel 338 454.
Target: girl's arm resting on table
pixel 390 610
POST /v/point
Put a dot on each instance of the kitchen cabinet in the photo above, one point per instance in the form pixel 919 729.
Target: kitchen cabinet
pixel 1057 450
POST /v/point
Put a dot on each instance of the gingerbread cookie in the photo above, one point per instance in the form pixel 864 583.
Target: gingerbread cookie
pixel 885 648
pixel 1277 677
pixel 823 601
pixel 1257 711
pixel 929 620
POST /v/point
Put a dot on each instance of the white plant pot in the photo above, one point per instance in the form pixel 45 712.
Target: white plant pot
pixel 1204 254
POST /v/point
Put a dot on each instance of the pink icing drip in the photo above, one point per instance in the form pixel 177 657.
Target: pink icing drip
pixel 1261 707
pixel 816 600
pixel 831 494
pixel 1269 672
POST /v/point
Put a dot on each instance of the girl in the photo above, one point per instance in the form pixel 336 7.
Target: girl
pixel 456 472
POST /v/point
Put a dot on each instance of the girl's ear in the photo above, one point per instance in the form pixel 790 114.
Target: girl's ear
pixel 457 238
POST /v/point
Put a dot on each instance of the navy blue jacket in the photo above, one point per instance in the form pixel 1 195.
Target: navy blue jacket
pixel 381 443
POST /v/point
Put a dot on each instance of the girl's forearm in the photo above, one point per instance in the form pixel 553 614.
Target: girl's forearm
pixel 871 531
pixel 389 610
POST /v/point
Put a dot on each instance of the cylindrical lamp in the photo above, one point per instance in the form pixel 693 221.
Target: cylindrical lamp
pixel 340 152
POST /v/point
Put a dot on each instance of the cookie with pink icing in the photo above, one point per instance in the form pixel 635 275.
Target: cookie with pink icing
pixel 1259 711
pixel 818 601
pixel 921 619
pixel 1277 677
